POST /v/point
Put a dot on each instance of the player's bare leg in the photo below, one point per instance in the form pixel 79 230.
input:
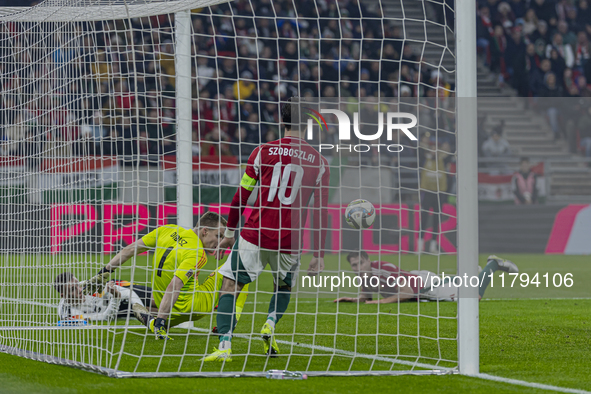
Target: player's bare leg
pixel 226 318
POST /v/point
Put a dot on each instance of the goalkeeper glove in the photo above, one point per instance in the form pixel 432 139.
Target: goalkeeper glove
pixel 160 328
pixel 96 283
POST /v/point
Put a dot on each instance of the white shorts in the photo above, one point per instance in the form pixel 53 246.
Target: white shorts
pixel 443 292
pixel 247 260
pixel 130 296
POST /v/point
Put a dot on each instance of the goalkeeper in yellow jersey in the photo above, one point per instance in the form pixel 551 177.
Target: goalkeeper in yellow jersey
pixel 178 256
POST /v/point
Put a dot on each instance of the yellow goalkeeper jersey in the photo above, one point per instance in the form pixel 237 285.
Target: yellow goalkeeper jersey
pixel 178 252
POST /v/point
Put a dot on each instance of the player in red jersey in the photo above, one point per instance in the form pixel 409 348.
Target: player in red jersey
pixel 415 284
pixel 289 172
pixel 384 285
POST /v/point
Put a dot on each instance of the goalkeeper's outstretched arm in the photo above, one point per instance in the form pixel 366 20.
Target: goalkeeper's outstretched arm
pixel 96 282
pixel 125 254
pixel 170 297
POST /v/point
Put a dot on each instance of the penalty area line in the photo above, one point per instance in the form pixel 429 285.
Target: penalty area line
pixel 525 383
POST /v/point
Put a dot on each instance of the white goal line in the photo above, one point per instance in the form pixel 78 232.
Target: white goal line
pixel 443 370
pixel 529 384
pixel 27 302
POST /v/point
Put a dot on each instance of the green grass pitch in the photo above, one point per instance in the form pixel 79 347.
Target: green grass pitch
pixel 534 334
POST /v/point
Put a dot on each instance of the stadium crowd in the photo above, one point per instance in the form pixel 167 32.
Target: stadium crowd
pixel 247 57
pixel 542 48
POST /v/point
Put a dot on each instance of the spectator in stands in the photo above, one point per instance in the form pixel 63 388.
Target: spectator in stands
pixel 484 32
pixel 129 132
pixel 110 144
pixel 505 16
pixel 518 7
pixel 251 134
pixel 583 14
pixel 583 50
pixel 537 76
pixel 482 133
pixel 498 46
pixel 532 59
pixel 568 37
pixel 433 183
pixel 205 72
pixel 558 66
pixel 217 143
pixel 564 50
pixel 540 37
pixel 545 10
pixel 15 135
pixel 584 90
pixel 496 145
pixel 515 60
pixel 271 136
pixel 549 102
pixel 195 144
pixel 584 127
pixel 530 22
pixel 226 70
pixel 524 184
pixel 568 83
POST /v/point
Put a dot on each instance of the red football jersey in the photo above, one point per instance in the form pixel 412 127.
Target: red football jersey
pixel 289 172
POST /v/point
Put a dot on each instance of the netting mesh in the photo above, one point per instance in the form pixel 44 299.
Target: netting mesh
pixel 97 10
pixel 88 165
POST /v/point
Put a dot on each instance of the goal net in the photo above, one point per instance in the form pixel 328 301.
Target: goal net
pixel 121 116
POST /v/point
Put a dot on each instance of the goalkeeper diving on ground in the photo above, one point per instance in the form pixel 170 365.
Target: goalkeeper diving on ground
pixel 179 255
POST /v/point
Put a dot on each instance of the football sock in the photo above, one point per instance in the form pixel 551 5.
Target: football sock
pixel 142 314
pixel 225 319
pixel 278 305
pixel 271 319
pixel 226 343
pixel 484 276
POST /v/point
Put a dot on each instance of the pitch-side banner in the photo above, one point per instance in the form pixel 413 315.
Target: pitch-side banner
pixel 571 232
pixel 87 178
pixel 106 228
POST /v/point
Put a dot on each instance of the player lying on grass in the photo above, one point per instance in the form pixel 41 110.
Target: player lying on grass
pixel 178 256
pixel 116 299
pixel 388 273
pixel 289 171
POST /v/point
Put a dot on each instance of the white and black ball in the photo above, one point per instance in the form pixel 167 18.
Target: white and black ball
pixel 360 214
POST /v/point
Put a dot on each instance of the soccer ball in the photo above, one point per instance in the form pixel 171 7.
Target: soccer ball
pixel 360 214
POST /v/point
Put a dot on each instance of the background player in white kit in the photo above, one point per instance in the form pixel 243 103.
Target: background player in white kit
pixel 289 171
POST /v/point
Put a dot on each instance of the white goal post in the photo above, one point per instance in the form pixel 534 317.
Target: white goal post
pixel 117 119
pixel 467 107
